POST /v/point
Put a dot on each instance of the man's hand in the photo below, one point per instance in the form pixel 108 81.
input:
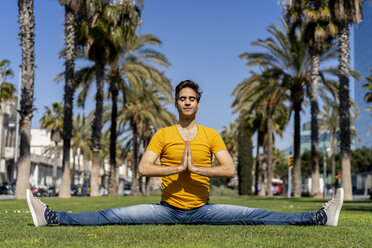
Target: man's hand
pixel 184 159
pixel 187 162
pixel 190 161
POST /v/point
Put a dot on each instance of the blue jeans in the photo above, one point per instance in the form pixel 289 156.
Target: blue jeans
pixel 163 213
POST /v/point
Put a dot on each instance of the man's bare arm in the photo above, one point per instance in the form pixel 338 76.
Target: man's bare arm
pixel 226 167
pixel 148 168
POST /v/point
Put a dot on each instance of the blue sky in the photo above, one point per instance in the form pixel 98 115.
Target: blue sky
pixel 202 40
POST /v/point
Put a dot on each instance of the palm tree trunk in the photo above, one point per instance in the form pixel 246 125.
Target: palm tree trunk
pixel 147 185
pixel 263 174
pixel 140 179
pixel 270 127
pixel 26 23
pixel 55 165
pixel 113 185
pixel 244 162
pixel 65 189
pixel 96 131
pixel 134 185
pixel 344 74
pixel 297 155
pixel 73 170
pixel 257 169
pixel 315 185
pixel 86 171
pixel 332 140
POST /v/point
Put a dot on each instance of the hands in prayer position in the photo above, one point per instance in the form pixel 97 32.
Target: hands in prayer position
pixel 187 162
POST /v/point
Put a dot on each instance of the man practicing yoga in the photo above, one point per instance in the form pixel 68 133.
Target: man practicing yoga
pixel 186 150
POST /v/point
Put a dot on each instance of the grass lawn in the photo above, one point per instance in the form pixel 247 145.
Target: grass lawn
pixel 17 230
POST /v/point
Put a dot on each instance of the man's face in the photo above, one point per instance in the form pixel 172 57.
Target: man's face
pixel 186 104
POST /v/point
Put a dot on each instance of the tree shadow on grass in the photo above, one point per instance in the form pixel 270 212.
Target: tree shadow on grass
pixel 353 206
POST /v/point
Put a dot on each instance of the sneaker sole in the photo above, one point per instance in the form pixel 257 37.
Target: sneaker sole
pixel 34 218
pixel 340 201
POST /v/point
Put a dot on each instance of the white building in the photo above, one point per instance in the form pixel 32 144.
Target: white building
pixel 42 157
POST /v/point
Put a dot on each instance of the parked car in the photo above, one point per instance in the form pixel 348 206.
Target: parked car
pixel 127 187
pixel 277 186
pixel 74 189
pixel 102 191
pixel 7 189
pixel 52 191
pixel 39 191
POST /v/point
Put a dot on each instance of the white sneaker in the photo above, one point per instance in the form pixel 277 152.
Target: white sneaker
pixel 37 209
pixel 333 208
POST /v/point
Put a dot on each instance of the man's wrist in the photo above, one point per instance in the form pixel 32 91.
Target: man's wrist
pixel 194 169
pixel 179 169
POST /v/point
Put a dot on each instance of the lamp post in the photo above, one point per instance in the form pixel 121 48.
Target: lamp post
pixel 325 181
pixel 290 165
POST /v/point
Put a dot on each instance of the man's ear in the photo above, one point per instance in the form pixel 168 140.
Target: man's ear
pixel 176 104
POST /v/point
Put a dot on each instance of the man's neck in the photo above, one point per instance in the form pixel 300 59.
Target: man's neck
pixel 187 123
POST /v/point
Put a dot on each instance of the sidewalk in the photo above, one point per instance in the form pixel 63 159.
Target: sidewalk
pixel 361 198
pixel 6 197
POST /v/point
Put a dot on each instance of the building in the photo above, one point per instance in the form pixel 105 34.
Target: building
pixel 43 156
pixel 323 141
pixel 42 160
pixel 8 121
pixel 363 64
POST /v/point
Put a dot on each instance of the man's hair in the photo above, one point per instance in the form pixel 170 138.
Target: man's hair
pixel 188 84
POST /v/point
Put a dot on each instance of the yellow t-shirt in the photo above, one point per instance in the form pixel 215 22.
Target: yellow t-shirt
pixel 185 190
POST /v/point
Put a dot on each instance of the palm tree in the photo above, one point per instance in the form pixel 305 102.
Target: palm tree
pixel 330 122
pixel 263 91
pixel 319 34
pixel 288 55
pixel 80 145
pixel 368 95
pixel 115 80
pixel 133 65
pixel 6 88
pixel 138 64
pixel 229 136
pixel 245 160
pixel 144 106
pixel 254 122
pixel 71 8
pixel 52 121
pixel 260 125
pixel 345 12
pixel 106 29
pixel 27 26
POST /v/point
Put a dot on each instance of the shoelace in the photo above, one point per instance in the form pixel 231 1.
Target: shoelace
pixel 327 204
pixel 40 202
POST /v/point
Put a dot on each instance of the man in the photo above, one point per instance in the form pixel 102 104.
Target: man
pixel 186 151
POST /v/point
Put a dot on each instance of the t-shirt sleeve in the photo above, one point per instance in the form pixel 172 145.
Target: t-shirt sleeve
pixel 157 142
pixel 217 142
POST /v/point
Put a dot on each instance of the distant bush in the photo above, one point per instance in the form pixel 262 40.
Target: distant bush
pixel 215 191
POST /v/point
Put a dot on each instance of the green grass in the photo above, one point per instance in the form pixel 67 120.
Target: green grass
pixel 17 230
